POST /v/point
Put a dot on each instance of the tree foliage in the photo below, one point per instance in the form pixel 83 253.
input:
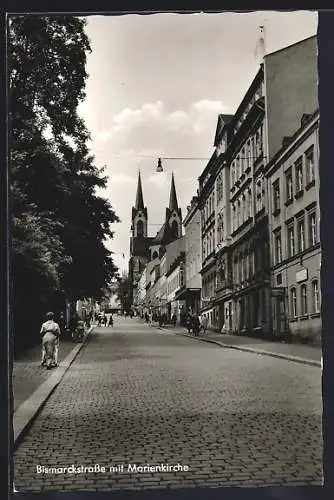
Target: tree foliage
pixel 59 223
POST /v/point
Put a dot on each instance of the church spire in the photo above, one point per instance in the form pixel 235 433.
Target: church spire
pixel 172 197
pixel 139 197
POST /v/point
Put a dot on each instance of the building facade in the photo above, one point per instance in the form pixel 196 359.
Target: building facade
pixel 224 284
pixel 206 201
pixel 190 292
pixel 249 248
pixel 294 214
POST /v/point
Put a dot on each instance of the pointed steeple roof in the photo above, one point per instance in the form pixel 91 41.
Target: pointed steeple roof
pixel 139 197
pixel 172 197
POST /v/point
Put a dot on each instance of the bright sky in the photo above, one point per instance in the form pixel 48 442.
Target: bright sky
pixel 156 86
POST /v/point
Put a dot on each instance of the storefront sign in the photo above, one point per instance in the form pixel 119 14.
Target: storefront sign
pixel 301 275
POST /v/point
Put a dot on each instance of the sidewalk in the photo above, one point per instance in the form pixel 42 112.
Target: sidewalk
pixel 32 384
pixel 295 352
pixel 28 374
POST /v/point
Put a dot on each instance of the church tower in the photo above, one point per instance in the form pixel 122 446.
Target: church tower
pixel 171 229
pixel 139 241
pixel 139 214
pixel 173 213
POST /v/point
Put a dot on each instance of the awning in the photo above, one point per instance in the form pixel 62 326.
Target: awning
pixel 187 293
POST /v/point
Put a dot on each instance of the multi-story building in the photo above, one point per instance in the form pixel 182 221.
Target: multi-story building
pixel 293 184
pixel 224 286
pixel 249 249
pixel 206 202
pixel 175 280
pixel 282 91
pixel 190 292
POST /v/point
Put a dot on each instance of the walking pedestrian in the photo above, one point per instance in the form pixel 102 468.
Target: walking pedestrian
pixel 196 324
pixel 188 323
pixel 204 323
pixel 50 332
pixel 62 323
pixel 111 321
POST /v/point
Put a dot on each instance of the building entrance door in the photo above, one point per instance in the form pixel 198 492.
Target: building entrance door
pixel 279 326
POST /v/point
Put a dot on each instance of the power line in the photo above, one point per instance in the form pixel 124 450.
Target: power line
pixel 151 157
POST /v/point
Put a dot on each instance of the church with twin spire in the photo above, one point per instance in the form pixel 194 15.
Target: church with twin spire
pixel 144 248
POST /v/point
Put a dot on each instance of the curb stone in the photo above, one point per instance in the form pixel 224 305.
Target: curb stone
pixel 28 410
pixel 263 352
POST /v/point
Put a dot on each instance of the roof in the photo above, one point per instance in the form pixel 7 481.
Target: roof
pixel 221 122
pixel 139 197
pixel 163 236
pixel 291 45
pixel 172 196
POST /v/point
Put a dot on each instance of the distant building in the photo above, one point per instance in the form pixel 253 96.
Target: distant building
pixel 294 215
pixel 174 278
pixel 143 248
pixel 139 241
pixel 190 292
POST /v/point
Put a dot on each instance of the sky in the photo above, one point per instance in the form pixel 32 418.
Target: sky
pixel 155 88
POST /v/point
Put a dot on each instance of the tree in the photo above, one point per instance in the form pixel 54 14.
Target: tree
pixel 59 223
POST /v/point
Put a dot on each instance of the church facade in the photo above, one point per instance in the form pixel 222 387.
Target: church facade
pixel 143 248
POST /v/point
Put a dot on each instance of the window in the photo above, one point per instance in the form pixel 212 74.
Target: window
pixel 301 235
pixel 309 158
pixel 181 276
pixel 312 229
pixel 315 297
pixel 276 196
pixel 140 228
pixel 299 175
pixel 249 203
pixel 289 185
pixel 249 153
pixel 278 246
pixel 257 144
pixel 239 214
pixel 291 240
pixel 238 167
pixel 222 229
pixel 258 195
pixel 293 303
pixel 233 217
pixel 303 299
pixel 220 187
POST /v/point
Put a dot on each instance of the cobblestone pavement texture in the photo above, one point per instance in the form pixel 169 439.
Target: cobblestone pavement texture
pixel 28 374
pixel 135 395
pixel 290 349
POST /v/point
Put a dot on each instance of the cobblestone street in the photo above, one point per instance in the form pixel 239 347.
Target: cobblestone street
pixel 136 395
